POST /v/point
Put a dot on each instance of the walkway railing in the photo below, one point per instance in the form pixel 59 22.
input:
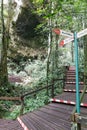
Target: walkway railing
pixel 50 87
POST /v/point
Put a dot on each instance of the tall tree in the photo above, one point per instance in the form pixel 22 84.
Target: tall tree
pixel 3 63
pixel 5 28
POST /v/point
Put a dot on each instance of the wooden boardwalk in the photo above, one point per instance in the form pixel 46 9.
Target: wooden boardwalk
pixel 54 116
pixel 10 125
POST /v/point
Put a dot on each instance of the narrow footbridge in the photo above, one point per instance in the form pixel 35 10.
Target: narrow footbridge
pixel 57 115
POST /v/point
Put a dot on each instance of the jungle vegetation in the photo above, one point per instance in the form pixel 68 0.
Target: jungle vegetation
pixel 33 30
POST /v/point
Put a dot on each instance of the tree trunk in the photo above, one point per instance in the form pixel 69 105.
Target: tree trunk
pixel 3 62
pixel 85 60
pixel 49 44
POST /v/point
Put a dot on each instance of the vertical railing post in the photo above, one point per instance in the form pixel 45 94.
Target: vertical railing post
pixel 77 79
pixel 22 106
pixel 52 91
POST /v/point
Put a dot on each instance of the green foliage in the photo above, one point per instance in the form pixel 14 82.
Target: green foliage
pixel 3 110
pixel 30 24
pixel 11 90
pixel 34 103
pixel 14 113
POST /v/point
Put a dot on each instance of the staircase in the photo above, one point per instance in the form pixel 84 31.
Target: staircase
pixel 54 116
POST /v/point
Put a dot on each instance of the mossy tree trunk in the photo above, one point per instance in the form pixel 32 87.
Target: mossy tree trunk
pixel 3 62
pixel 5 25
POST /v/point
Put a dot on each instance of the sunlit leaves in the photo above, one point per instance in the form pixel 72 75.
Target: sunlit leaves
pixel 39 1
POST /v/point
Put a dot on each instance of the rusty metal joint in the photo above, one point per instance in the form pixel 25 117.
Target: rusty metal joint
pixel 80 119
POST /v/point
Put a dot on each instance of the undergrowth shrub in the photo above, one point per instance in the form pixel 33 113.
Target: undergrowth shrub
pixel 36 102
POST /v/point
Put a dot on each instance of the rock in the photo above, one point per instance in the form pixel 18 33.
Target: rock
pixel 22 74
